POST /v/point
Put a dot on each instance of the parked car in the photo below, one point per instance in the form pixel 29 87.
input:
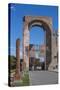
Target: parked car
pixel 38 68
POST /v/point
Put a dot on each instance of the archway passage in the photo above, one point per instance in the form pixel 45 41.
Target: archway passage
pixel 37 52
pixel 46 24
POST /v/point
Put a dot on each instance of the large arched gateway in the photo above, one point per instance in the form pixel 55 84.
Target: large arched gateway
pixel 46 24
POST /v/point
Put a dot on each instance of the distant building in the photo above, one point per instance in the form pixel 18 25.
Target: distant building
pixel 35 55
pixel 42 50
pixel 34 51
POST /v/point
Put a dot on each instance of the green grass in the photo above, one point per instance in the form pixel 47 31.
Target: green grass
pixel 24 81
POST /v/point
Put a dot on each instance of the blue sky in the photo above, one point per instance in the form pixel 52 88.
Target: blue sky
pixel 18 11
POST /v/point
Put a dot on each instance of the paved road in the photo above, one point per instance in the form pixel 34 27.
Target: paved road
pixel 43 77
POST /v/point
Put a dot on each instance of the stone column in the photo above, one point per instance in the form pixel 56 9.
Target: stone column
pixel 17 73
pixel 48 48
pixel 26 47
pixel 54 64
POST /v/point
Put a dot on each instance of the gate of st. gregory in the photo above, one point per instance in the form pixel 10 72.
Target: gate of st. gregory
pixel 46 24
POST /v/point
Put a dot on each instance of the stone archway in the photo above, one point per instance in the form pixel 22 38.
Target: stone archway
pixel 46 24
